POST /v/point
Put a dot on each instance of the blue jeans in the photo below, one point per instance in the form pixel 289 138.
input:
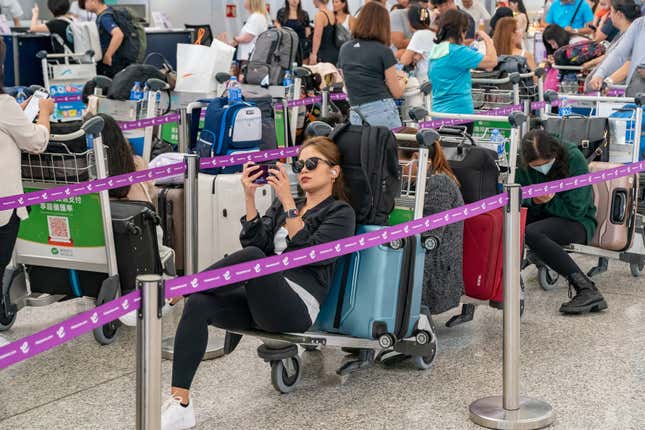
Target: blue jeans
pixel 379 113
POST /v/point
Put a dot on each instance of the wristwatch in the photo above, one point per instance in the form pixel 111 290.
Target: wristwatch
pixel 292 213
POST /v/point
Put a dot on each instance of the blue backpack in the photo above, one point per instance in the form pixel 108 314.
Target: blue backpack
pixel 228 129
pixel 627 114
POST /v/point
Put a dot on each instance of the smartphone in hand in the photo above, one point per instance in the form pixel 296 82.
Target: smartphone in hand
pixel 32 109
pixel 264 167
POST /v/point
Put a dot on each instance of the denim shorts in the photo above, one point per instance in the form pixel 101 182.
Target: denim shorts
pixel 378 113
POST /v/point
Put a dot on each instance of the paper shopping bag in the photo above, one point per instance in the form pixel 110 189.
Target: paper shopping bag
pixel 197 66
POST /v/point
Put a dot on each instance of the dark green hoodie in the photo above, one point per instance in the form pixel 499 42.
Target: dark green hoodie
pixel 576 204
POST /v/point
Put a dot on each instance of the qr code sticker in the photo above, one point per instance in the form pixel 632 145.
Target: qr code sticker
pixel 58 228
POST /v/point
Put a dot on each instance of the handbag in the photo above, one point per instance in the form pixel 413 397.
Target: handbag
pixel 591 135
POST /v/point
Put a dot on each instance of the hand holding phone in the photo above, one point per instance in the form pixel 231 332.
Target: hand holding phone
pixel 34 105
pixel 264 168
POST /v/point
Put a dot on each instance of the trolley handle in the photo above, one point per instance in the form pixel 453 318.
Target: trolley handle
pixel 573 68
pixel 511 78
pixel 91 127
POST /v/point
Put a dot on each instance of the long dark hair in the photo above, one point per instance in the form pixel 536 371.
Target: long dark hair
pixel 452 25
pixel 419 17
pixel 501 12
pixel 556 33
pixel 287 8
pixel 330 151
pixel 119 153
pixel 629 8
pixel 3 52
pixel 540 145
pixel 345 8
pixel 522 9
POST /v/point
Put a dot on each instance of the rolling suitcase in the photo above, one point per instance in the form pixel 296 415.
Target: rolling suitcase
pixel 220 205
pixel 484 255
pixel 170 207
pixel 616 206
pixel 376 291
pixel 135 237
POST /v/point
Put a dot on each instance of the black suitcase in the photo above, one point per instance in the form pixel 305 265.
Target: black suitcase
pixel 475 167
pixel 134 224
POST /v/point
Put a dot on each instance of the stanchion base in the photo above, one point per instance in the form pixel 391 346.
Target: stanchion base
pixel 215 348
pixel 532 414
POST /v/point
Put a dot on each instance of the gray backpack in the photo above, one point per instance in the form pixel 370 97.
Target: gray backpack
pixel 274 53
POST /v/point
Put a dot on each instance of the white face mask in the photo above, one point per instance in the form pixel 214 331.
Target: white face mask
pixel 545 168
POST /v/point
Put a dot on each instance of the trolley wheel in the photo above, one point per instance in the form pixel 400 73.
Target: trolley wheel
pixel 636 269
pixel 106 335
pixel 425 362
pixel 386 341
pixel 547 278
pixel 6 321
pixel 284 378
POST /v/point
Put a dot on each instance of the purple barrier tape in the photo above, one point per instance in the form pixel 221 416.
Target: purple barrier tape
pixel 302 257
pixel 582 180
pixel 67 99
pixel 95 186
pixel 58 334
pixel 148 122
pixel 257 157
pixel 310 101
pixel 72 328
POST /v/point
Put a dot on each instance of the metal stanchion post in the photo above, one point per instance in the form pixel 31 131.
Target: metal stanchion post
pixel 183 131
pixel 215 345
pixel 511 411
pixel 324 105
pixel 149 352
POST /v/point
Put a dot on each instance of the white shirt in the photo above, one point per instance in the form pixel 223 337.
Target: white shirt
pixel 422 42
pixel 16 134
pixel 256 23
pixel 477 11
pixel 280 240
pixel 10 9
pixel 81 14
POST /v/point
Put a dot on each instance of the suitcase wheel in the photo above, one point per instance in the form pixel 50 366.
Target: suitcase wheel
pixel 285 374
pixel 386 341
pixel 636 269
pixel 547 278
pixel 110 290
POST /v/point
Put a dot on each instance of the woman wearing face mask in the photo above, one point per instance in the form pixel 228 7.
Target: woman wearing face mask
pixel 557 220
pixel 287 301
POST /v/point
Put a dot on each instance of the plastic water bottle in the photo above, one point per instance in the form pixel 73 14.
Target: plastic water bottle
pixel 21 97
pixel 287 83
pixel 136 93
pixel 234 91
pixel 499 141
pixel 144 103
pixel 565 109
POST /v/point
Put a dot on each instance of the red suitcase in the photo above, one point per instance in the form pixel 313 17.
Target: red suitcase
pixel 484 254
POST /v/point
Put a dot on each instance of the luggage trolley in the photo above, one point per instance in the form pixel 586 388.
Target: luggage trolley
pixel 65 75
pixel 420 342
pixel 572 79
pixel 624 148
pixel 48 238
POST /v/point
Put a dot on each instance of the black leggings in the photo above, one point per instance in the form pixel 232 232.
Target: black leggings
pixel 546 235
pixel 8 236
pixel 267 303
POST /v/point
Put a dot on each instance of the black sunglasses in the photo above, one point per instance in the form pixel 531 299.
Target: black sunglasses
pixel 309 163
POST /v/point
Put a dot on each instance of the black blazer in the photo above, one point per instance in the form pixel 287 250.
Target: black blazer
pixel 330 220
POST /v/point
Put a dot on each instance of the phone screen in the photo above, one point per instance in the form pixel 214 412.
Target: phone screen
pixel 32 109
pixel 265 173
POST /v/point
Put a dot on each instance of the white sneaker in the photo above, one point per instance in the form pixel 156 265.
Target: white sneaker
pixel 176 417
pixel 130 319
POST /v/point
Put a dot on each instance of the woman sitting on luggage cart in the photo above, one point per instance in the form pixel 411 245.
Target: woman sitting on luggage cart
pixel 281 302
pixel 557 220
pixel 451 62
pixel 369 70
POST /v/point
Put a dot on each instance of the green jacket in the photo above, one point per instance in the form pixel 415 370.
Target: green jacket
pixel 576 204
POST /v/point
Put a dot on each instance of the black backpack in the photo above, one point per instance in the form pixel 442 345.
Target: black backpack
pixel 371 169
pixel 475 167
pixel 125 79
pixel 135 44
pixel 275 52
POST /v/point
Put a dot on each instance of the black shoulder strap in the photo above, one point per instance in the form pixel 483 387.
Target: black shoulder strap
pixel 573 18
pixel 346 261
pixel 367 165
